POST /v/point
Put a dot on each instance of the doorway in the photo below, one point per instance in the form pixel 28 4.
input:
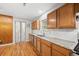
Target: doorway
pixel 20 31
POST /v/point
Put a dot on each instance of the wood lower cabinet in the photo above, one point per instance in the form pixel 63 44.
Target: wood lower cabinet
pixel 56 53
pixel 38 46
pixel 45 48
pixel 35 41
pixel 31 38
pixel 60 51
pixel 51 20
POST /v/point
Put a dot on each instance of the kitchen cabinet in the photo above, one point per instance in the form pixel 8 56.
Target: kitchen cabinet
pixel 76 7
pixel 56 53
pixel 35 41
pixel 63 17
pixel 38 45
pixel 60 51
pixel 51 20
pixel 35 45
pixel 31 38
pixel 36 24
pixel 45 48
pixel 66 16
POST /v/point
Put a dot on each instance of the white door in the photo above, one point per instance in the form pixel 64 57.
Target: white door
pixel 17 32
pixel 23 31
pixel 20 31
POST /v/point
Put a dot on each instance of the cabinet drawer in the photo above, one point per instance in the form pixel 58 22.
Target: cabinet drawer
pixel 46 42
pixel 61 50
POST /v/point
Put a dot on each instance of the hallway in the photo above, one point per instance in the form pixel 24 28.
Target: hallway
pixel 18 49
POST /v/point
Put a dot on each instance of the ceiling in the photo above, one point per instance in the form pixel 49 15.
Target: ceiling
pixel 29 11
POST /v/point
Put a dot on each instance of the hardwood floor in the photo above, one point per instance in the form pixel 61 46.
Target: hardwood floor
pixel 18 49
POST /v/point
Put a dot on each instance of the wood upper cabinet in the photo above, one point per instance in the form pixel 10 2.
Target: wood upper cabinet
pixel 36 24
pixel 45 48
pixel 66 16
pixel 60 51
pixel 51 20
pixel 76 7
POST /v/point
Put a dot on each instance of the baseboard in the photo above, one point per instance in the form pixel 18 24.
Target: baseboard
pixel 7 44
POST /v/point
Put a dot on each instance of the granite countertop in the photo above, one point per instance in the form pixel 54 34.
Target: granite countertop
pixel 64 43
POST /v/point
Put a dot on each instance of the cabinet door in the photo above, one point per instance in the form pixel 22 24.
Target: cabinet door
pixel 51 20
pixel 35 39
pixel 38 45
pixel 35 24
pixel 45 48
pixel 32 25
pixel 31 38
pixel 59 50
pixel 76 7
pixel 67 17
pixel 56 53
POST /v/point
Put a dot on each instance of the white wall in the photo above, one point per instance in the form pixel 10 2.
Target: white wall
pixel 28 27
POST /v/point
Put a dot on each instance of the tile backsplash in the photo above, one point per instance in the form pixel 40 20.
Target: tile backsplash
pixel 70 35
pixel 65 34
